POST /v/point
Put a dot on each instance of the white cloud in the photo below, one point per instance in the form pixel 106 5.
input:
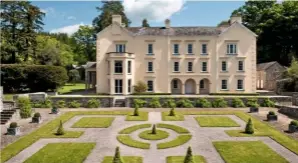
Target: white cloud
pixel 158 11
pixel 67 29
pixel 71 18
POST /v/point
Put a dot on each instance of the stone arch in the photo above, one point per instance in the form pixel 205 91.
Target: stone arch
pixel 190 86
pixel 176 86
pixel 204 86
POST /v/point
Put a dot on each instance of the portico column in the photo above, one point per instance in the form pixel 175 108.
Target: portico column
pixel 124 80
pixel 183 88
pixel 197 89
pixel 112 80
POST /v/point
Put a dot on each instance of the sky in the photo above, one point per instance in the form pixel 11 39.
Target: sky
pixel 67 16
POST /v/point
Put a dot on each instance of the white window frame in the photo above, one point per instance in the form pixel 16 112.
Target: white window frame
pixel 120 48
pixel 117 66
pixel 222 66
pixel 203 67
pixel 232 48
pixel 176 66
pixel 150 49
pixel 242 65
pixel 242 84
pixel 118 87
pixel 174 49
pixel 189 66
pixel 204 50
pixel 222 84
pixel 150 66
pixel 150 82
pixel 189 49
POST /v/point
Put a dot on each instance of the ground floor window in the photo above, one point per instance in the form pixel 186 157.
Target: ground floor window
pixel 150 86
pixel 240 84
pixel 129 86
pixel 202 86
pixel 118 85
pixel 175 84
pixel 224 84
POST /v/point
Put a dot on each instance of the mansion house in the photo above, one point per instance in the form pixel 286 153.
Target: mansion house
pixel 176 60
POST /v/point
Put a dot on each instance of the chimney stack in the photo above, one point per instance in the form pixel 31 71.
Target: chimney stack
pixel 117 19
pixel 167 23
pixel 235 18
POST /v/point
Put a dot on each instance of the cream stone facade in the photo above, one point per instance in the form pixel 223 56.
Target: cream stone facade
pixel 176 60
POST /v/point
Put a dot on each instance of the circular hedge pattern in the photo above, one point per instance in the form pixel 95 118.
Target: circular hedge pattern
pixel 160 134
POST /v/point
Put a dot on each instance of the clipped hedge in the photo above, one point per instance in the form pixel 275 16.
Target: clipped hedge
pixel 33 78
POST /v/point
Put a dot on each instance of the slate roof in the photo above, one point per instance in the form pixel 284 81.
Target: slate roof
pixel 174 31
pixel 264 66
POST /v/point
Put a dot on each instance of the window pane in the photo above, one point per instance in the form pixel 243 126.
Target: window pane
pixel 224 84
pixel 202 84
pixel 175 84
pixel 240 84
pixel 129 67
pixel 204 66
pixel 240 65
pixel 150 85
pixel 176 48
pixel 150 48
pixel 129 86
pixel 118 66
pixel 204 48
pixel 189 49
pixel 176 66
pixel 223 66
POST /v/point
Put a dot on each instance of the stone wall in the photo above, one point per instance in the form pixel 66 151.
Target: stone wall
pixel 104 101
pixel 291 111
pixel 1 98
pixel 277 99
pixel 38 96
pixel 295 98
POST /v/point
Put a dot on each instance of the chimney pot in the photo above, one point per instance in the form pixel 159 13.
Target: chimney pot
pixel 236 18
pixel 167 23
pixel 117 19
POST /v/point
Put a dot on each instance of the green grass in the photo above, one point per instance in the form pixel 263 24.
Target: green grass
pixel 48 130
pixel 178 117
pixel 261 128
pixel 247 152
pixel 179 140
pixel 216 121
pixel 8 97
pixel 62 152
pixel 127 140
pixel 68 88
pixel 143 116
pixel 94 122
pixel 131 129
pixel 180 159
pixel 126 159
pixel 175 128
pixel 158 136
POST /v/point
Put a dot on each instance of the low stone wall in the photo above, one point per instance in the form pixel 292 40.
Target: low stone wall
pixel 291 111
pixel 38 96
pixel 104 101
pixel 295 99
pixel 277 99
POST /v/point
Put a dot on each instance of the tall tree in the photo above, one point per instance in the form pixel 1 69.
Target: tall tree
pixel 145 23
pixel 108 9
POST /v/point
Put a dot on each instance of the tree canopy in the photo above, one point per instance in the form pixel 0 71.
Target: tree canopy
pixel 145 23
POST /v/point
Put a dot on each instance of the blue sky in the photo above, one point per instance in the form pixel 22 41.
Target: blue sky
pixel 67 16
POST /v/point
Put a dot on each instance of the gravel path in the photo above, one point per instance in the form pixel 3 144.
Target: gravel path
pixel 106 142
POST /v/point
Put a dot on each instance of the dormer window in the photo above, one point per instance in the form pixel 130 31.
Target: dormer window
pixel 120 48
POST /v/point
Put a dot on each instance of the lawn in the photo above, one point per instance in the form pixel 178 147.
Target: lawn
pixel 143 116
pixel 126 159
pixel 131 129
pixel 127 140
pixel 216 121
pixel 179 140
pixel 94 122
pixel 62 152
pixel 68 88
pixel 8 97
pixel 175 128
pixel 178 117
pixel 180 159
pixel 247 152
pixel 147 135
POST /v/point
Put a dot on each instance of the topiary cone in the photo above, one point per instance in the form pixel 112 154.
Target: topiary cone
pixel 153 130
pixel 60 130
pixel 249 129
pixel 136 111
pixel 117 157
pixel 172 112
pixel 189 157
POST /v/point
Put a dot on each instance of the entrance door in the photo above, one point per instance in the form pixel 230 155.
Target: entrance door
pixel 118 86
pixel 190 87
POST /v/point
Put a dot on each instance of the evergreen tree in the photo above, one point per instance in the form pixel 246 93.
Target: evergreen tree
pixel 136 111
pixel 145 23
pixel 60 130
pixel 172 112
pixel 117 157
pixel 153 130
pixel 189 157
pixel 249 129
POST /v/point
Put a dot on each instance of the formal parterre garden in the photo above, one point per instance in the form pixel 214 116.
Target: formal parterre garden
pixel 176 129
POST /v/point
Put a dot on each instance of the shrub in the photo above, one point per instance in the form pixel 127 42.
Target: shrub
pixel 271 113
pixel 140 87
pixel 153 129
pixel 60 104
pixel 294 123
pixel 139 102
pixel 117 157
pixel 219 103
pixel 33 78
pixel 172 112
pixel 252 102
pixel 154 103
pixel 74 76
pixel 249 129
pixel 37 114
pixel 169 104
pixel 237 103
pixel 184 103
pixel 13 125
pixel 268 103
pixel 189 157
pixel 74 104
pixel 42 104
pixel 60 130
pixel 136 111
pixel 93 103
pixel 203 103
pixel 25 107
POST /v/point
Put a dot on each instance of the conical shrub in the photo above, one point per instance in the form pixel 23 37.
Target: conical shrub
pixel 249 129
pixel 60 130
pixel 117 158
pixel 189 157
pixel 153 130
pixel 136 111
pixel 172 112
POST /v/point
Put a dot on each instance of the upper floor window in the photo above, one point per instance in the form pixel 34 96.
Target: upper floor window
pixel 223 66
pixel 176 66
pixel 204 49
pixel 189 66
pixel 118 66
pixel 129 67
pixel 240 66
pixel 120 48
pixel 150 49
pixel 240 84
pixel 204 66
pixel 150 66
pixel 150 86
pixel 224 84
pixel 176 49
pixel 232 48
pixel 189 49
